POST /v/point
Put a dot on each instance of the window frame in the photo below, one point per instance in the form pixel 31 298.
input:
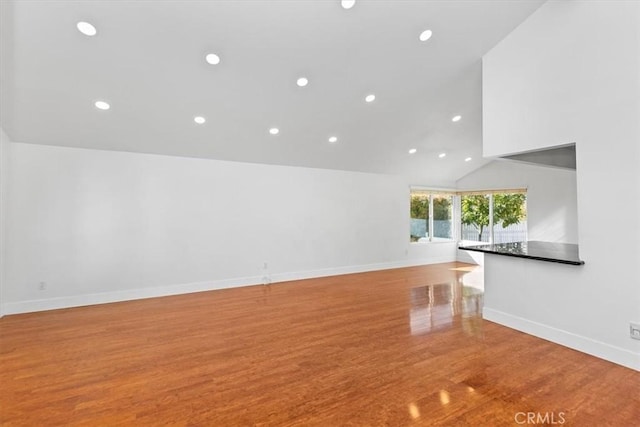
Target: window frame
pixel 490 193
pixel 456 211
pixel 431 192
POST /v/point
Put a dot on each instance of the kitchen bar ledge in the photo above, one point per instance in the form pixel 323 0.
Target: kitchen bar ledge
pixel 563 253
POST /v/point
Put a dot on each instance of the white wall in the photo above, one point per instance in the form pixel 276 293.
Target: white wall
pixel 432 252
pixel 571 73
pixel 4 188
pixel 99 226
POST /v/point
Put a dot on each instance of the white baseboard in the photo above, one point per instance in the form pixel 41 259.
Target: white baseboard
pixel 595 348
pixel 337 271
pixel 55 303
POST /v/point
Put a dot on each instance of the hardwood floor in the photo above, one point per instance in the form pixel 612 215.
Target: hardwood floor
pixel 388 348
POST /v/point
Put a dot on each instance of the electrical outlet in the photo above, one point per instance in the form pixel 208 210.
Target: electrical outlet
pixel 634 330
pixel 42 286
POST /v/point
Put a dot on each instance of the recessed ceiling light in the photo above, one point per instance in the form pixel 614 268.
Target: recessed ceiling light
pixel 456 118
pixel 333 139
pixel 425 35
pixel 370 98
pixel 212 59
pixel 199 120
pixel 101 105
pixel 302 81
pixel 348 4
pixel 274 131
pixel 441 155
pixel 468 159
pixel 413 151
pixel 86 28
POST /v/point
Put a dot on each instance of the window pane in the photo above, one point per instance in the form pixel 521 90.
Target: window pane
pixel 475 217
pixel 442 214
pixel 509 217
pixel 419 216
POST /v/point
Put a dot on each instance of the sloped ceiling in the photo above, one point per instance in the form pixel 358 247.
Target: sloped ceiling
pixel 147 61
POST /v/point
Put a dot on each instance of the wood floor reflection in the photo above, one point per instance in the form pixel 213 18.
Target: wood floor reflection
pixel 388 348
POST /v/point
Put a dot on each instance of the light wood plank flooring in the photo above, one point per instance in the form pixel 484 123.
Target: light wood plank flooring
pixel 389 348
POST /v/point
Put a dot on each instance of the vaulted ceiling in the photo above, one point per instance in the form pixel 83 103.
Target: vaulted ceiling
pixel 148 62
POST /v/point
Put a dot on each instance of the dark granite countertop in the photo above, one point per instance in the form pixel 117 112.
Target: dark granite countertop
pixel 564 253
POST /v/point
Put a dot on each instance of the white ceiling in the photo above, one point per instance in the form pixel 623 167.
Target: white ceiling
pixel 147 61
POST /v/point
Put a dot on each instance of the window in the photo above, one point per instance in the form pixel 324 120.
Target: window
pixel 431 216
pixel 474 217
pixel 442 216
pixel 494 216
pixel 509 217
pixel 419 216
